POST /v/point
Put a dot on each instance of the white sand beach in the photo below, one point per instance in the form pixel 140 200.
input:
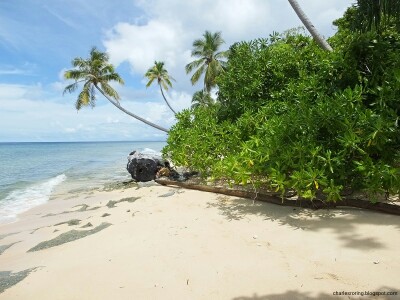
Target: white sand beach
pixel 173 243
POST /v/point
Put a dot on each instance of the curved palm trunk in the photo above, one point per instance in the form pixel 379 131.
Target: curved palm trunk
pixel 162 93
pixel 131 114
pixel 310 27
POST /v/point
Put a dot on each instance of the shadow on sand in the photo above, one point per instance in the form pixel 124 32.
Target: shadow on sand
pixel 343 222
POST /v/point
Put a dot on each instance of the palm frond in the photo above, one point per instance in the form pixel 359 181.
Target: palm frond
pixel 164 85
pixel 150 81
pixel 194 64
pixel 209 60
pixel 70 88
pixel 196 76
pixel 109 91
pixel 222 54
pixel 83 97
pixel 75 74
pixel 79 62
pixel 113 77
pixel 201 98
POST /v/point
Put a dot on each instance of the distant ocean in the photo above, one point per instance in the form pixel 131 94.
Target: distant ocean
pixel 31 172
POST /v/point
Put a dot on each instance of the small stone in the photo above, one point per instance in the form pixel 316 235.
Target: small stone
pixel 255 237
pixel 106 215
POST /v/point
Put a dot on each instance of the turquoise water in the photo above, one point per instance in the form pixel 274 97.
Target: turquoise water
pixel 29 172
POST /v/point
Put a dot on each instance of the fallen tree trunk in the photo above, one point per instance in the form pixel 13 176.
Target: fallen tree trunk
pixel 276 199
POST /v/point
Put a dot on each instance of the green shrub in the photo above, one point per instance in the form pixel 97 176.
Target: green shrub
pixel 291 116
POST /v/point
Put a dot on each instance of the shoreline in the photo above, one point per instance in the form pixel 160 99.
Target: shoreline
pixel 171 243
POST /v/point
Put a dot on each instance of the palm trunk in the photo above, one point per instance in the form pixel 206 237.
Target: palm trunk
pixel 162 93
pixel 116 104
pixel 310 27
pixel 275 198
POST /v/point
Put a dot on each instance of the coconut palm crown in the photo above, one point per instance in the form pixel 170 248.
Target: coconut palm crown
pixel 95 73
pixel 201 99
pixel 210 62
pixel 163 79
pixel 92 72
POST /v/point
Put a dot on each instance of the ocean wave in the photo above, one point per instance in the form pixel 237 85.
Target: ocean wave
pixel 21 200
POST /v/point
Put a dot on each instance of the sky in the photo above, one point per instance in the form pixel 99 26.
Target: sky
pixel 39 39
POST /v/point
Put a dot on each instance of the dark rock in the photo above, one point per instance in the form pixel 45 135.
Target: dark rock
pixel 143 166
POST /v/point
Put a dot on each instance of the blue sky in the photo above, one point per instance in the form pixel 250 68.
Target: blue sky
pixel 39 38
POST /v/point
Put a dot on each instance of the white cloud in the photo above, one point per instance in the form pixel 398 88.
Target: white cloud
pixel 140 45
pixel 179 100
pixel 19 91
pixel 170 27
pixel 14 71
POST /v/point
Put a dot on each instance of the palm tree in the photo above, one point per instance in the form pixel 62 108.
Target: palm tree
pixel 310 27
pixel 209 60
pixel 95 73
pixel 163 79
pixel 201 98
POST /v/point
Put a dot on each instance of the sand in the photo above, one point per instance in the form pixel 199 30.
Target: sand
pixel 158 242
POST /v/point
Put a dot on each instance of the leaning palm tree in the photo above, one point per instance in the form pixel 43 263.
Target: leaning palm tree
pixel 95 73
pixel 210 62
pixel 310 27
pixel 163 79
pixel 201 98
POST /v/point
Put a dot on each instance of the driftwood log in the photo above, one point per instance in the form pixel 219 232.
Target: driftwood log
pixel 276 199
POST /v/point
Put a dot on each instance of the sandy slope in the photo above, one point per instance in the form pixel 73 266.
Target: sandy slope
pixel 195 245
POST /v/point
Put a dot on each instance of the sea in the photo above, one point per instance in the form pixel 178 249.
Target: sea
pixel 30 173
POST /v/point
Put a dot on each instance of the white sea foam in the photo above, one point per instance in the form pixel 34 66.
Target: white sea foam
pixel 150 151
pixel 21 200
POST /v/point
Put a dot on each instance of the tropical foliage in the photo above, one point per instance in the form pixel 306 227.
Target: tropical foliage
pixel 376 15
pixel 291 116
pixel 209 61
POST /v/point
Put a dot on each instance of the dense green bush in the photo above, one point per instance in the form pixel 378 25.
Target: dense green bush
pixel 292 116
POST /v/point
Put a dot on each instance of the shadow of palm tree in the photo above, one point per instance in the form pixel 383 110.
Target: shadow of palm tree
pixel 343 222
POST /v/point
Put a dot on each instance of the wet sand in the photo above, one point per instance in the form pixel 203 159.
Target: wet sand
pixel 157 242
